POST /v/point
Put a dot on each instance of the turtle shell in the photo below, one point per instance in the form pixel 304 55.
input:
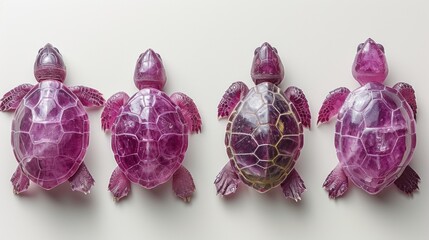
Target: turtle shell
pixel 264 137
pixel 150 138
pixel 50 134
pixel 375 136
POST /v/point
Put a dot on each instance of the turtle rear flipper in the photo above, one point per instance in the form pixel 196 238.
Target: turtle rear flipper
pixel 408 182
pixel 119 184
pixel 336 183
pixel 227 181
pixel 183 184
pixel 293 186
pixel 82 180
pixel 19 181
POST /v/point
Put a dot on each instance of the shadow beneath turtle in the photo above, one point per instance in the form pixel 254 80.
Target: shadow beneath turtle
pixel 60 194
pixel 31 192
pixel 64 195
pixel 389 196
pixel 242 189
pixel 60 208
pixel 276 194
pixel 159 193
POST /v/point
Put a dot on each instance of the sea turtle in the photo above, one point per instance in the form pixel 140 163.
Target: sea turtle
pixel 150 132
pixel 264 134
pixel 375 133
pixel 50 129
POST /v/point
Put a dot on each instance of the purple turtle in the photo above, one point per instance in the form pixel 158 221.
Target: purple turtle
pixel 375 133
pixel 50 130
pixel 150 132
pixel 264 134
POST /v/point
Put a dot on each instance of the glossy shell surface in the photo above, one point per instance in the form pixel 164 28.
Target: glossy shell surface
pixel 264 137
pixel 50 134
pixel 149 138
pixel 375 136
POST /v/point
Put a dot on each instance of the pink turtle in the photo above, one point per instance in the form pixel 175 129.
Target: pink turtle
pixel 50 129
pixel 150 132
pixel 264 135
pixel 375 133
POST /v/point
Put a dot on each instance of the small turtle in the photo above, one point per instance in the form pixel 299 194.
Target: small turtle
pixel 50 129
pixel 150 132
pixel 375 133
pixel 264 134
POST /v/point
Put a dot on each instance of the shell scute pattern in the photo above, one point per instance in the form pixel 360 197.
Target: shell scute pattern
pixel 150 135
pixel 378 124
pixel 264 137
pixel 54 122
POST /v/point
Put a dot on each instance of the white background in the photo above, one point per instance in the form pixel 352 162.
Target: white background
pixel 206 46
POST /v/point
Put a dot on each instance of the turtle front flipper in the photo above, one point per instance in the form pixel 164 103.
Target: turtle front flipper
pixel 89 97
pixel 111 110
pixel 297 97
pixel 230 98
pixel 119 184
pixel 227 181
pixel 332 104
pixel 82 180
pixel 10 101
pixel 409 180
pixel 336 183
pixel 293 186
pixel 183 184
pixel 189 111
pixel 408 93
pixel 19 181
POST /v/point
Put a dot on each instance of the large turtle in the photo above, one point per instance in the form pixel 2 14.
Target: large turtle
pixel 375 132
pixel 50 130
pixel 150 132
pixel 264 134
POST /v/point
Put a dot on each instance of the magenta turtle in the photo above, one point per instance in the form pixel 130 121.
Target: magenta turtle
pixel 50 130
pixel 375 131
pixel 150 132
pixel 264 134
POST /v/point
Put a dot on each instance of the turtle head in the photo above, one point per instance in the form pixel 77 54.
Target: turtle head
pixel 267 66
pixel 149 72
pixel 49 64
pixel 370 63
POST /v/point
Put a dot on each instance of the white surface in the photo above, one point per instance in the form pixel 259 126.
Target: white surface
pixel 206 46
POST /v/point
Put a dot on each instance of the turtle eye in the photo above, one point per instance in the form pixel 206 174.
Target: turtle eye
pixel 360 46
pixel 56 49
pixel 256 50
pixel 275 50
pixel 159 56
pixel 380 47
pixel 40 50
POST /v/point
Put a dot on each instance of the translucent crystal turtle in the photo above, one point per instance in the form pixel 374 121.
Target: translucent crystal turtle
pixel 264 133
pixel 375 134
pixel 150 132
pixel 50 129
